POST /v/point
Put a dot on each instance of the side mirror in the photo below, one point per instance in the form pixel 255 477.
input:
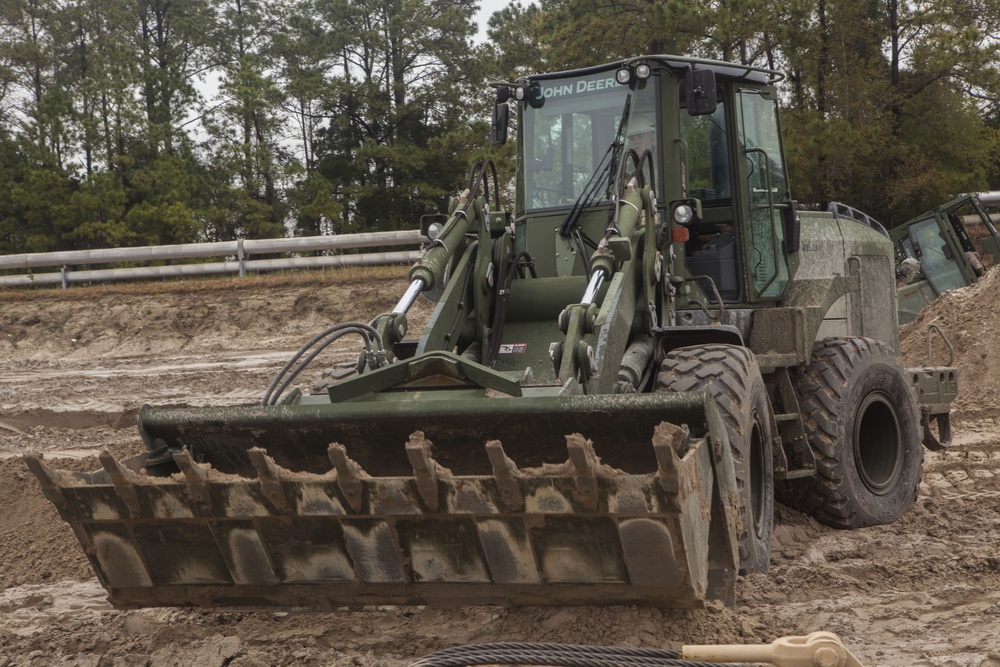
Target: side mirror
pixel 498 128
pixel 700 85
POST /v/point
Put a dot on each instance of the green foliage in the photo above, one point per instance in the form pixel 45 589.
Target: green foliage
pixel 394 92
pixel 40 200
pixel 314 200
pixel 515 37
pixel 98 213
pixel 127 122
pixel 163 201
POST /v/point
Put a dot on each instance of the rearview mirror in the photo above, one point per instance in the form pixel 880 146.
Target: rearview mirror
pixel 498 128
pixel 700 85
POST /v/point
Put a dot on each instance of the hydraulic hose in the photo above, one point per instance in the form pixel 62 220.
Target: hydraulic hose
pixel 322 340
pixel 559 655
pixel 430 268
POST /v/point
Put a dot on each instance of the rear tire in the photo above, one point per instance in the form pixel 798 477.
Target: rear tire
pixel 730 374
pixel 860 418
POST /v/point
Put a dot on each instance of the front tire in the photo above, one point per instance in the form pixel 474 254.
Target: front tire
pixel 861 419
pixel 731 376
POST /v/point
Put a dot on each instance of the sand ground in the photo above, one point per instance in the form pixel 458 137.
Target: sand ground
pixel 76 367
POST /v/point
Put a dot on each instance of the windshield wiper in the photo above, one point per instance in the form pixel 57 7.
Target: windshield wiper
pixel 589 196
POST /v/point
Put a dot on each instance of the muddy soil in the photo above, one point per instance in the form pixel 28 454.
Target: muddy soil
pixel 77 366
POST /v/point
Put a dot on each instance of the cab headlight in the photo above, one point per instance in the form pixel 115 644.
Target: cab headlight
pixel 683 214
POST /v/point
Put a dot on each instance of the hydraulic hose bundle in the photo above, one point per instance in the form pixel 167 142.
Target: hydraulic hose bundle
pixel 374 351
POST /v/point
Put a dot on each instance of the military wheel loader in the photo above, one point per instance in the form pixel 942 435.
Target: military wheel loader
pixel 946 248
pixel 617 378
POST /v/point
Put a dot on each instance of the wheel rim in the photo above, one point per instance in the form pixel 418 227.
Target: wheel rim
pixel 758 504
pixel 878 443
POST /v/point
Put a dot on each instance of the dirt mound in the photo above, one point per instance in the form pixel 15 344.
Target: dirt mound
pixel 223 315
pixel 970 319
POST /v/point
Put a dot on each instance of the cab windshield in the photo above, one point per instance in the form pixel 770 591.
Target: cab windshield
pixel 570 126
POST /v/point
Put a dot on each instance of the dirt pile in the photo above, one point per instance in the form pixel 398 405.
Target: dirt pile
pixel 221 316
pixel 970 318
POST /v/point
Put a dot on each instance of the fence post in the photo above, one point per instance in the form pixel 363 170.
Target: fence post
pixel 62 273
pixel 241 256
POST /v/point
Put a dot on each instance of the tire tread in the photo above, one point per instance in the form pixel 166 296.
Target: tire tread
pixel 726 373
pixel 823 386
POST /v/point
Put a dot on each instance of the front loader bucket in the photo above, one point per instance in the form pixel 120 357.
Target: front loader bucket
pixel 515 501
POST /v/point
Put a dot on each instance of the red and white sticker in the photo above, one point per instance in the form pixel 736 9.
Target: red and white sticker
pixel 513 348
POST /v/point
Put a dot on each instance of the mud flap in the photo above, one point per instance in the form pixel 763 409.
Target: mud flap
pixel 657 528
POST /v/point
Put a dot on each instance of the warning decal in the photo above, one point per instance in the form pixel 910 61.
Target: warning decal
pixel 514 348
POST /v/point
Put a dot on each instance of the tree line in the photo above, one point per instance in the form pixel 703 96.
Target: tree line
pixel 138 122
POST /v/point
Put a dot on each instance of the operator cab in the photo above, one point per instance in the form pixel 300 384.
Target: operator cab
pixel 702 135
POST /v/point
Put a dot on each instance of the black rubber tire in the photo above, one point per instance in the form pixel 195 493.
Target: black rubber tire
pixel 860 417
pixel 730 374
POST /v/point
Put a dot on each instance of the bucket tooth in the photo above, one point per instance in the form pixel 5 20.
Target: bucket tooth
pixel 269 475
pixel 349 475
pixel 505 472
pixel 585 461
pixel 648 548
pixel 47 478
pixel 425 469
pixel 668 439
pixel 196 478
pixel 124 481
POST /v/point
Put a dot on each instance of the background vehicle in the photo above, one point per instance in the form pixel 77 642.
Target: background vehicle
pixel 613 380
pixel 949 247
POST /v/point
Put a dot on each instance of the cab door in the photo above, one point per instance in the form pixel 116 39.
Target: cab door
pixel 760 160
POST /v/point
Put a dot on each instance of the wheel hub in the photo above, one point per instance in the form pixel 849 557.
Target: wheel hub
pixel 878 443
